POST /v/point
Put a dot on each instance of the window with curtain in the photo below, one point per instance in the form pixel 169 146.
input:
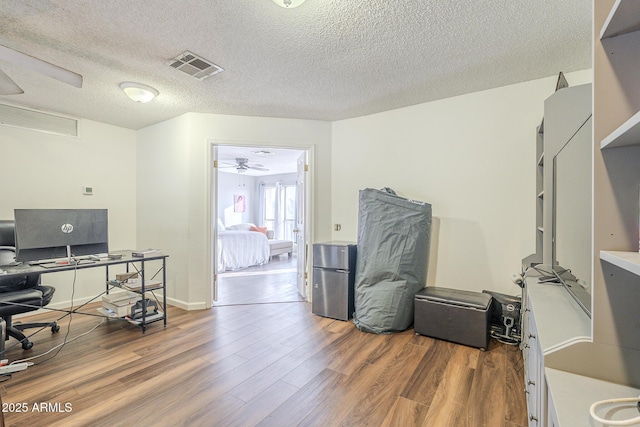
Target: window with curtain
pixel 289 218
pixel 269 207
pixel 279 209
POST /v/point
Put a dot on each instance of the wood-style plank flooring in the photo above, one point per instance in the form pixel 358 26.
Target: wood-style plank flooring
pixel 268 364
pixel 272 282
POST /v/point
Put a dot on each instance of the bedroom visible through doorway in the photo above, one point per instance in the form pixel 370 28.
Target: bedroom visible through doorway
pixel 257 208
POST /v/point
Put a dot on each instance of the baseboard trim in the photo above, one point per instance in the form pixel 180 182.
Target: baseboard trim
pixel 186 305
pixel 64 305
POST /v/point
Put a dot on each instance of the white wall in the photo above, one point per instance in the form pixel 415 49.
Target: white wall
pixel 472 157
pixel 230 185
pixel 41 170
pixel 173 187
pixel 285 178
pixel 163 199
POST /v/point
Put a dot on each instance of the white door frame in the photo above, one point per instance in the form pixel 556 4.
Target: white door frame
pixel 301 227
pixel 211 208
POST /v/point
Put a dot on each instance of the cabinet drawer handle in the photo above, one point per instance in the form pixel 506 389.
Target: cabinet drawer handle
pixel 532 336
pixel 531 382
pixel 532 418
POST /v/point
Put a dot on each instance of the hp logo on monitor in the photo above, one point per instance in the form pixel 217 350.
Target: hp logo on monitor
pixel 66 228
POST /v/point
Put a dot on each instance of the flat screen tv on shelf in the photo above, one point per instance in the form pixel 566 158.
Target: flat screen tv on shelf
pixel 44 234
pixel 572 216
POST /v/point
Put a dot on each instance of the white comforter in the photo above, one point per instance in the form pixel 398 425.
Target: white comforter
pixel 240 249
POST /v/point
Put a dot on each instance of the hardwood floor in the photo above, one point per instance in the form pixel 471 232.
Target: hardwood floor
pixel 269 283
pixel 263 364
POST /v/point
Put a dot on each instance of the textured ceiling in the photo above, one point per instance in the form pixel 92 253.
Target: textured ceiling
pixel 275 160
pixel 327 59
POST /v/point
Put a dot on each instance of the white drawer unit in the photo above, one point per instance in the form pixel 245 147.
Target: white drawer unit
pixel 534 380
pixel 551 321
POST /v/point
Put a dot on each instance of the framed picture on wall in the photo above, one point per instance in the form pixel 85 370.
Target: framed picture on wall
pixel 239 203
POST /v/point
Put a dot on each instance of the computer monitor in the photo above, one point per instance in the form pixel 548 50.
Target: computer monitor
pixel 57 233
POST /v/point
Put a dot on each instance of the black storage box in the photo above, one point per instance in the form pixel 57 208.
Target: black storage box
pixel 458 316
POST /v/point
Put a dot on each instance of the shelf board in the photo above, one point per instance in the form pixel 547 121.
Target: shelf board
pixel 622 19
pixel 541 160
pixel 559 320
pixel 625 135
pixel 629 261
pixel 574 394
pixel 150 318
pixel 541 195
pixel 540 229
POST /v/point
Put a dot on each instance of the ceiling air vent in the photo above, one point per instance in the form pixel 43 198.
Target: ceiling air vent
pixel 194 65
pixel 36 120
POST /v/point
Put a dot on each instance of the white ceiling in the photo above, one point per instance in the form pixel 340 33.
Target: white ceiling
pixel 325 60
pixel 275 160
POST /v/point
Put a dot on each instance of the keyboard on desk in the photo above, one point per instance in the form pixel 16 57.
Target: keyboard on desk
pixel 66 260
pixel 48 261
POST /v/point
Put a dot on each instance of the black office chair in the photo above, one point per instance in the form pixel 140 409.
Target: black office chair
pixel 20 294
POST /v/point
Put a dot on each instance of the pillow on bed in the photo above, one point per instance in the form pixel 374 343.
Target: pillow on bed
pixel 220 225
pixel 241 227
pixel 262 230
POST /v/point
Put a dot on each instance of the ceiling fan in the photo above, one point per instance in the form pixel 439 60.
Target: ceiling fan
pixel 9 87
pixel 242 165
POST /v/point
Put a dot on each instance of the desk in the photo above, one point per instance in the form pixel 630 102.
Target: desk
pixel 138 264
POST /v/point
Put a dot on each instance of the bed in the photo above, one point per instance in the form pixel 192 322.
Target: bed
pixel 240 249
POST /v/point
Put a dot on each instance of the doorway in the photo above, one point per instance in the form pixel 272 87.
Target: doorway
pixel 259 195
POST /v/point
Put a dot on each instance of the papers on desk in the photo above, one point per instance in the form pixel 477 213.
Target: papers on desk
pixel 136 285
pixel 108 313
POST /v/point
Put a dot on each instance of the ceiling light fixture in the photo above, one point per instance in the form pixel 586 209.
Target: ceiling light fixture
pixel 288 3
pixel 263 153
pixel 139 92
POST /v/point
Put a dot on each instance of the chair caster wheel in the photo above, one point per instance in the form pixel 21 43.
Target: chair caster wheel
pixel 55 328
pixel 26 345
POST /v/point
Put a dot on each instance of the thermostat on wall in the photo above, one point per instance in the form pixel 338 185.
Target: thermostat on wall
pixel 88 191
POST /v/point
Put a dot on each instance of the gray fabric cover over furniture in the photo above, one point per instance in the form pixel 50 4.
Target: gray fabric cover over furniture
pixel 394 235
pixel 463 317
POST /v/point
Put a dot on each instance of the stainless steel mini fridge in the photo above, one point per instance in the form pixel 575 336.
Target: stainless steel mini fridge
pixel 334 269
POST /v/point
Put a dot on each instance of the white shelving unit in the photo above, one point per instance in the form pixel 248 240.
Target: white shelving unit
pixel 586 360
pixel 629 261
pixel 571 396
pixel 540 191
pixel 626 135
pixel 552 319
pixel 622 19
pixel 616 184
